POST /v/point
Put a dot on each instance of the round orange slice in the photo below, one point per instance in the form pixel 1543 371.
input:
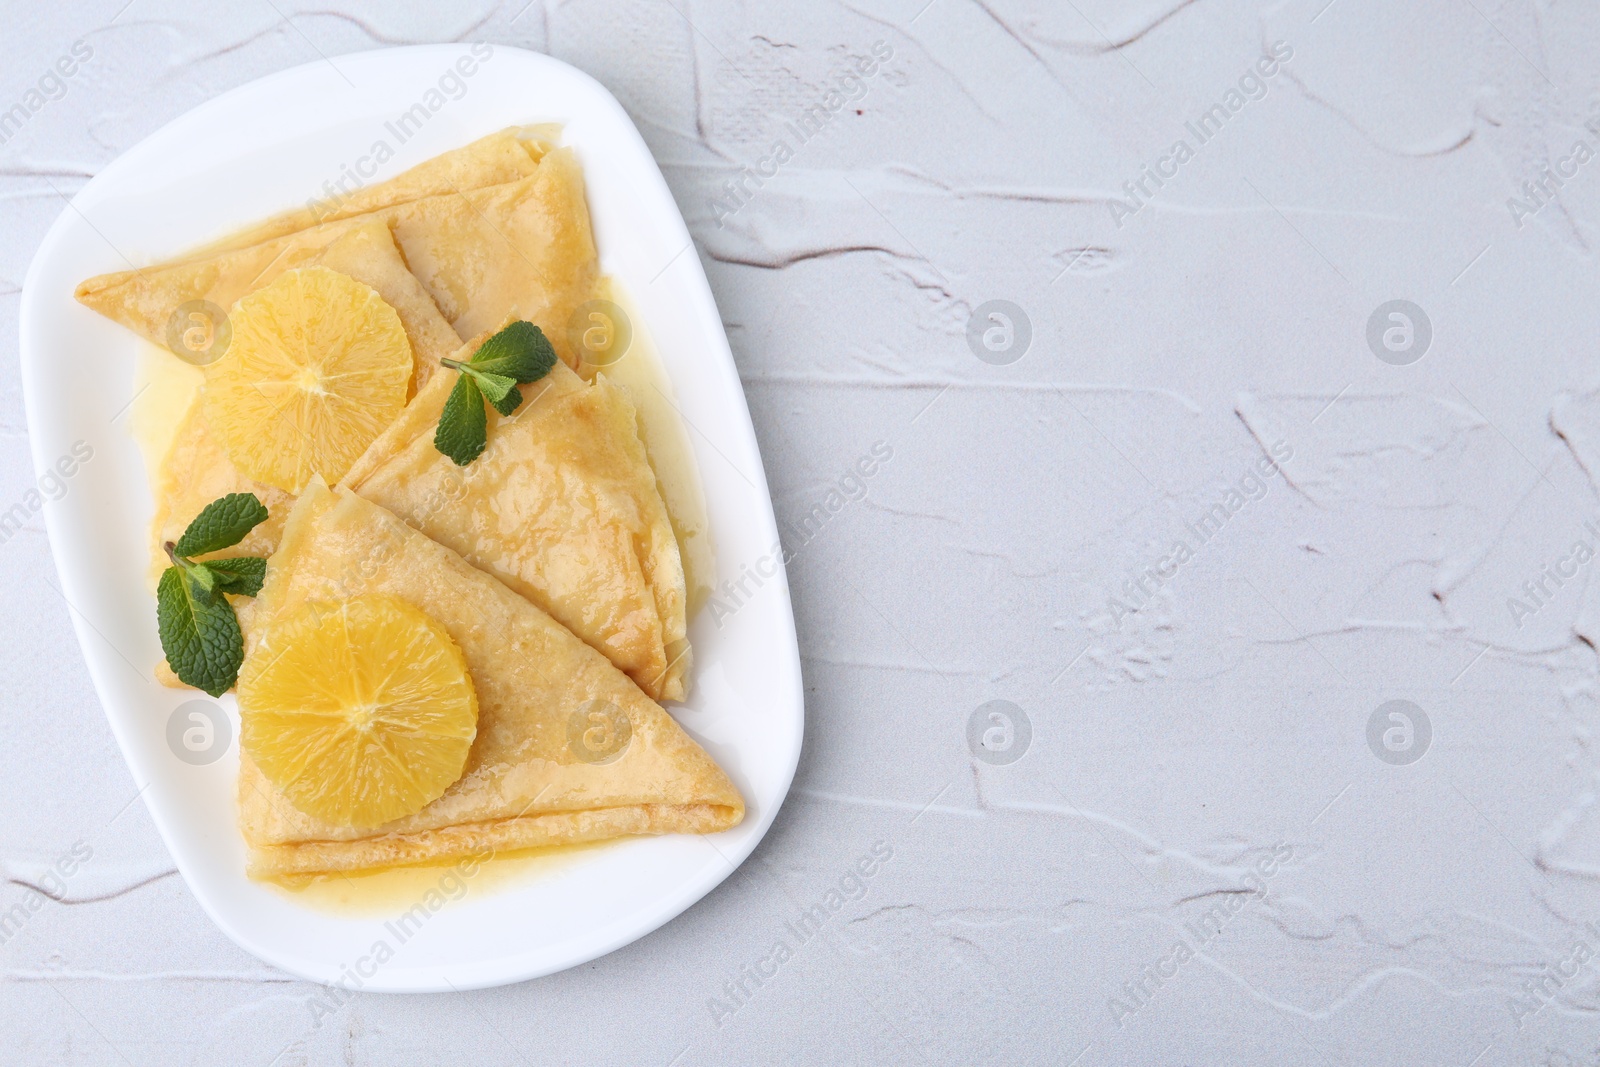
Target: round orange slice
pixel 317 367
pixel 359 711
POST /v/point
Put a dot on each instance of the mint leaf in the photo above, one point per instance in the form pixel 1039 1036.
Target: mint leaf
pixel 221 523
pixel 240 575
pixel 520 352
pixel 199 633
pixel 205 581
pixel 500 391
pixel 494 386
pixel 463 431
pixel 507 405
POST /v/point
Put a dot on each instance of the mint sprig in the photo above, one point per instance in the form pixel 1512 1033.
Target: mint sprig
pixel 199 630
pixel 518 354
pixel 199 633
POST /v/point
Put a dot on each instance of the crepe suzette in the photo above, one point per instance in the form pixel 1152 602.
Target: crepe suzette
pixel 491 249
pixel 537 773
pixel 562 506
pixel 484 249
pixel 530 778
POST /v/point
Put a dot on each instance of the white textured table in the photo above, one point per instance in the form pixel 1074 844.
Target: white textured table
pixel 1220 845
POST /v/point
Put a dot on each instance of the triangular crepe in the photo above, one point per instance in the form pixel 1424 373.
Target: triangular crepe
pixel 519 249
pixel 526 783
pixel 562 506
pixel 197 471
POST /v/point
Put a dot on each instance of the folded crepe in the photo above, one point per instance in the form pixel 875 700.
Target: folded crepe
pixel 562 506
pixel 516 249
pixel 196 469
pixel 527 783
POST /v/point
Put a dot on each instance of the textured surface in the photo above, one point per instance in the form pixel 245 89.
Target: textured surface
pixel 1199 739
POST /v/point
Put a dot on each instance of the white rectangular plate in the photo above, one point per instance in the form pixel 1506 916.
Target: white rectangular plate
pixel 270 146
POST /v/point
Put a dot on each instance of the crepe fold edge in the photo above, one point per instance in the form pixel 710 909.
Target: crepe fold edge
pixel 501 835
